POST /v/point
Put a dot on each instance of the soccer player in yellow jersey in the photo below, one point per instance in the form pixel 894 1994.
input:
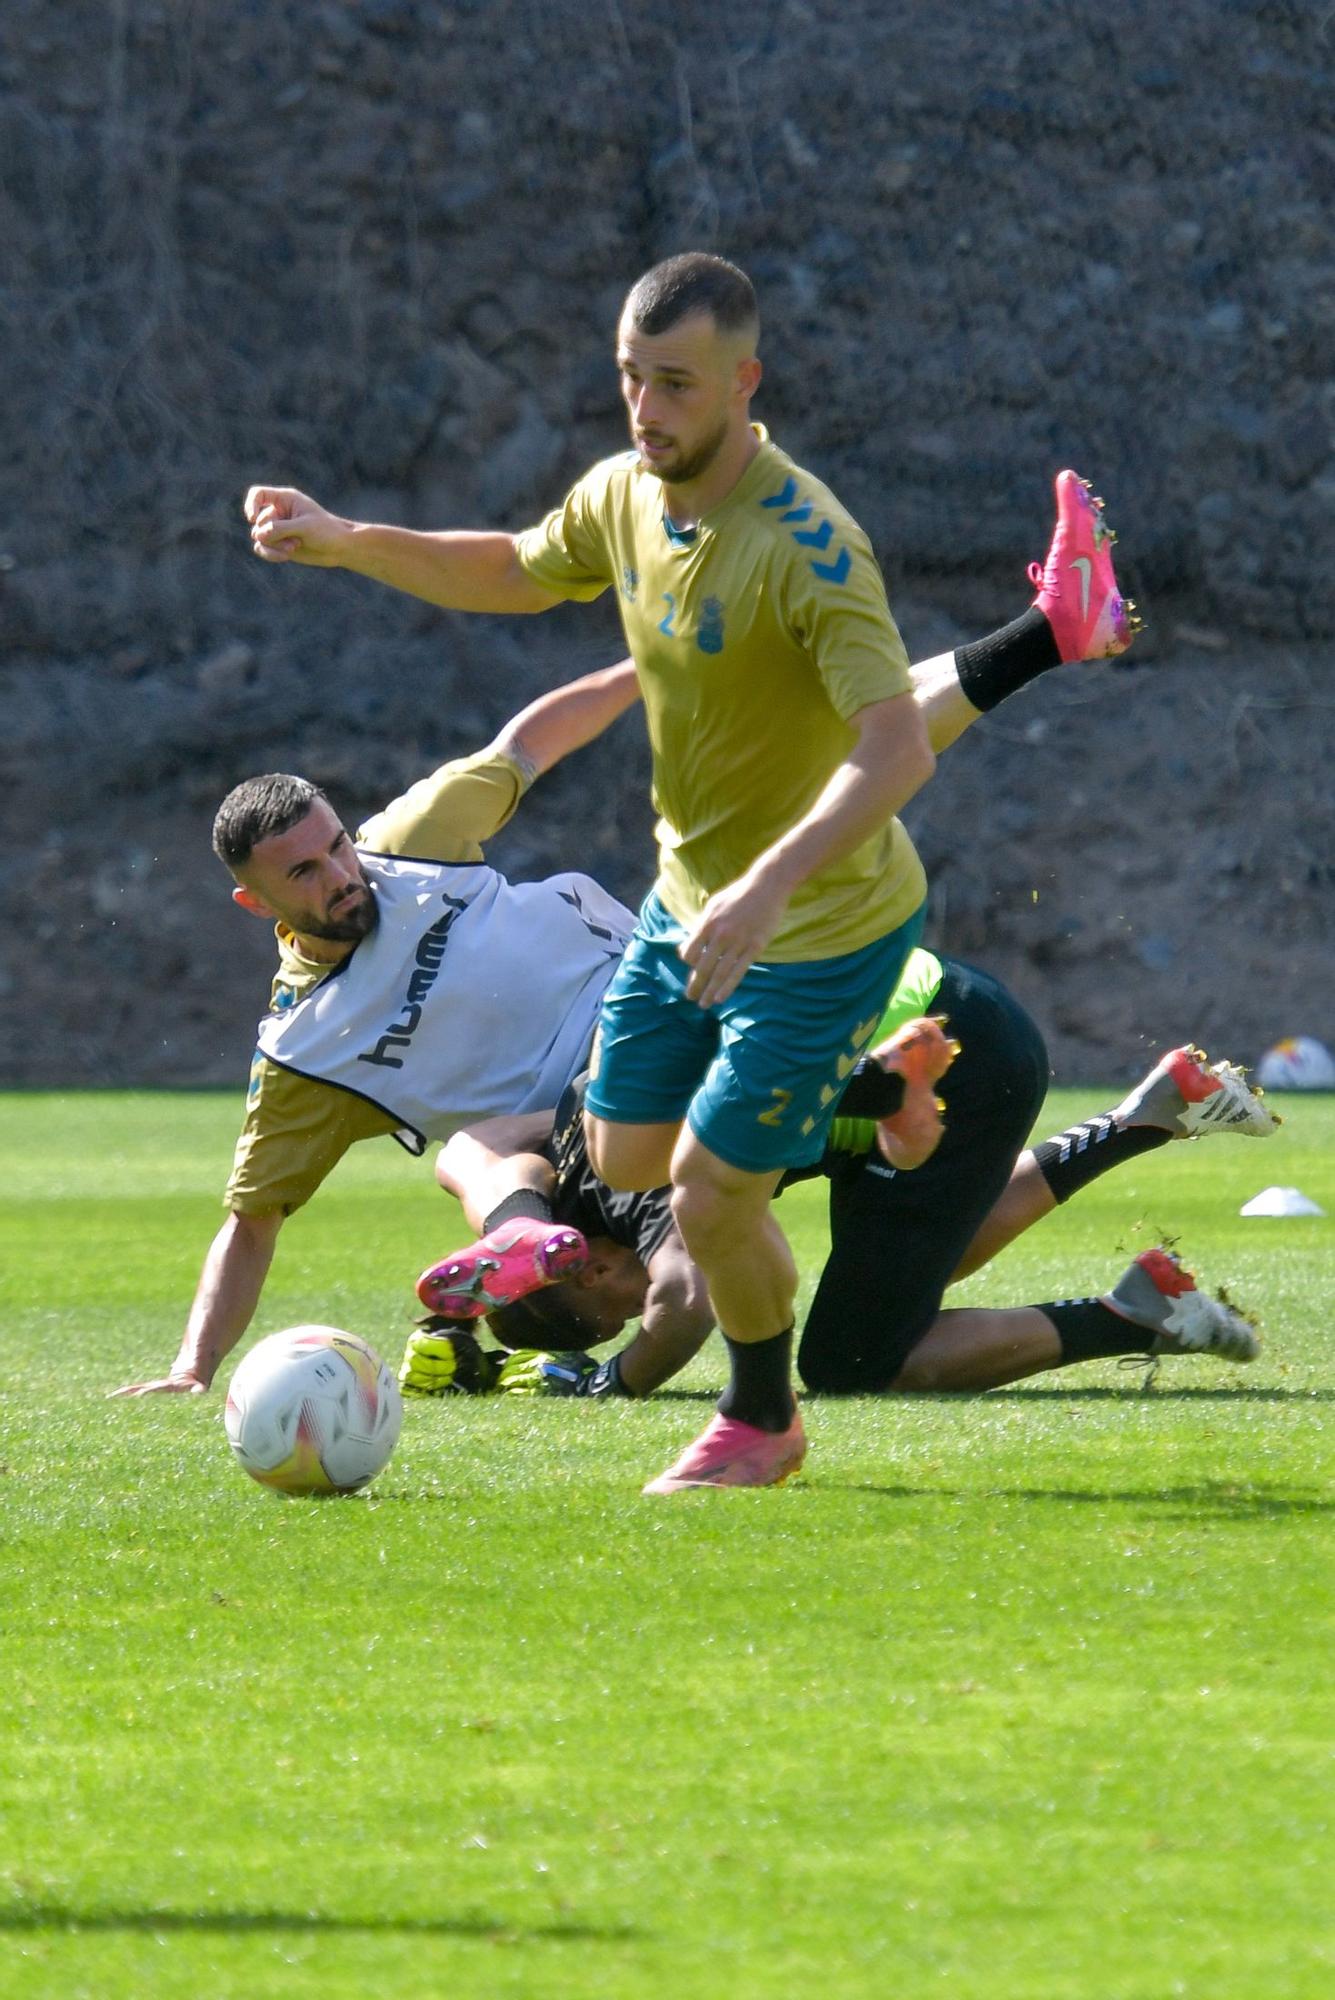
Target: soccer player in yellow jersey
pixel 785 739
pixel 785 742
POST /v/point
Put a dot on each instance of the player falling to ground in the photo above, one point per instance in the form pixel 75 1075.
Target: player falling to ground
pixel 458 994
pixel 294 861
pixel 898 1239
pixel 785 738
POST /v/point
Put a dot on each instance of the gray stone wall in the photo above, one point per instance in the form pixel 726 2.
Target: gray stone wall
pixel 377 249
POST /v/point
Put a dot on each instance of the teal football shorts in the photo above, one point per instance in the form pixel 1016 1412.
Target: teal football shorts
pixel 758 1076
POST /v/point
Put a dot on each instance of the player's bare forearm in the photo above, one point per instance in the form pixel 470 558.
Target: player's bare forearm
pixel 890 761
pixel 483 1164
pixel 566 718
pixel 229 1290
pixel 459 569
pixel 676 1321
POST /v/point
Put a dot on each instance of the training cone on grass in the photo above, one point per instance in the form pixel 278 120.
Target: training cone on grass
pixel 1281 1201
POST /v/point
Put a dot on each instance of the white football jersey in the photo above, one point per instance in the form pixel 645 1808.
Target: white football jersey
pixel 474 997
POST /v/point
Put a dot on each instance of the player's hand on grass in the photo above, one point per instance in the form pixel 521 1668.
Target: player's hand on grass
pixel 530 1372
pixel 288 526
pixel 732 932
pixel 442 1360
pixel 183 1384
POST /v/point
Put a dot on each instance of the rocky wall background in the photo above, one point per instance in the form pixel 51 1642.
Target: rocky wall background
pixel 376 248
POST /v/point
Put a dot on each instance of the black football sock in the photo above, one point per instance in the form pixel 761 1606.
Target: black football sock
pixel 871 1092
pixel 1082 1152
pixel 523 1202
pixel 991 668
pixel 760 1391
pixel 1090 1331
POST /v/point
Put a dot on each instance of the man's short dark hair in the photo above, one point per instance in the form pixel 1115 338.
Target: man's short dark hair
pixel 257 809
pixel 694 282
pixel 545 1319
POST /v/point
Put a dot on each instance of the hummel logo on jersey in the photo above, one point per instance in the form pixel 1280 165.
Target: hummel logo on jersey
pixel 817 538
pixel 785 496
pixel 428 957
pixel 630 583
pixel 1083 564
pixel 571 896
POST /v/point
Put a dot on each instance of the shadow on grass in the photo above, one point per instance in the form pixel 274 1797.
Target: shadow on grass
pixel 686 1395
pixel 1115 1392
pixel 1224 1499
pixel 497 1930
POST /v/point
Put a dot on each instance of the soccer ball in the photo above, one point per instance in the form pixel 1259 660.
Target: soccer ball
pixel 1299 1062
pixel 313 1410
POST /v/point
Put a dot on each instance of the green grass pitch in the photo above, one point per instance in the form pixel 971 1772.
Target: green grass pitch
pixel 1009 1696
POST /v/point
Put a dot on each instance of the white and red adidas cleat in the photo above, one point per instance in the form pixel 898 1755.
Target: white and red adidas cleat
pixel 1158 1293
pixel 1188 1095
pixel 516 1258
pixel 1077 586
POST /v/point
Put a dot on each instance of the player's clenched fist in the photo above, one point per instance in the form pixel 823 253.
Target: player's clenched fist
pixel 447 1361
pixel 287 526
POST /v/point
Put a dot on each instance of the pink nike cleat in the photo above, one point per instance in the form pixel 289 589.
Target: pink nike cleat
pixel 729 1453
pixel 515 1259
pixel 921 1052
pixel 1077 590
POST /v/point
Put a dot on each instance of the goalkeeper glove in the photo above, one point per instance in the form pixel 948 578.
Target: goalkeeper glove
pixel 443 1360
pixel 529 1372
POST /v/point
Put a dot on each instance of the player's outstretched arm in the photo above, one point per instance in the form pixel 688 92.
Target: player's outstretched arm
pixel 229 1291
pixel 459 569
pixel 566 718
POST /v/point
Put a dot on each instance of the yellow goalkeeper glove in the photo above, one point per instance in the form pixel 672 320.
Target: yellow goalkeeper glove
pixel 444 1360
pixel 530 1372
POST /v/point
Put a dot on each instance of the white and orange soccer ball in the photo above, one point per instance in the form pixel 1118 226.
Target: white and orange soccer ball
pixel 313 1410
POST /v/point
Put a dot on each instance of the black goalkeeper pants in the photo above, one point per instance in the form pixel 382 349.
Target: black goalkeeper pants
pixel 896 1239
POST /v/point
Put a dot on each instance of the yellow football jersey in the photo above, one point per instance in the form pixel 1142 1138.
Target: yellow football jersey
pixel 756 636
pixel 297 1129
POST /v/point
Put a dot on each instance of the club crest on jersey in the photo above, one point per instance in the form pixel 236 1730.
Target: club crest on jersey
pixel 709 637
pixel 630 583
